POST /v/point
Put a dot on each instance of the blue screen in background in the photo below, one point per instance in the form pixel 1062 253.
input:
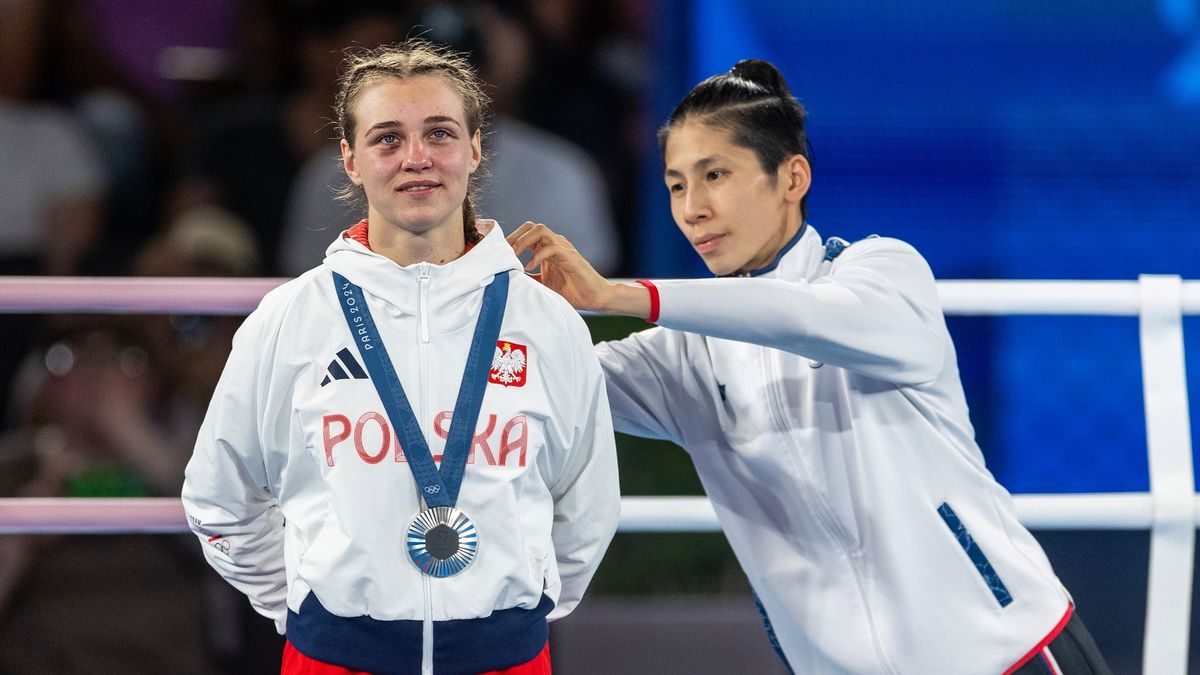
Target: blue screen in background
pixel 1015 140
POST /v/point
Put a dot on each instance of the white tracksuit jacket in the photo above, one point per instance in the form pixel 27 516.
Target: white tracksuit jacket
pixel 300 492
pixel 820 402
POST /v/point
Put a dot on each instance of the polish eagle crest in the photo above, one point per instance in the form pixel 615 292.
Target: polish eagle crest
pixel 508 364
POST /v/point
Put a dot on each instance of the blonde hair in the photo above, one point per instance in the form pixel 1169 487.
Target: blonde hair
pixel 404 60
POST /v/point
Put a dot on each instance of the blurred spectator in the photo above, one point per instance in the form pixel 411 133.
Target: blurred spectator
pixel 313 215
pixel 583 80
pixel 534 174
pixel 79 604
pixel 126 70
pixel 248 149
pixel 206 241
pixel 52 180
pixel 111 409
pixel 531 174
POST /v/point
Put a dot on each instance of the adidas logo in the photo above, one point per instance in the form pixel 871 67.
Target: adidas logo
pixel 337 372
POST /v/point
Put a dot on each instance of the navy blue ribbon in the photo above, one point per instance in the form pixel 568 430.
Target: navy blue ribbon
pixel 438 488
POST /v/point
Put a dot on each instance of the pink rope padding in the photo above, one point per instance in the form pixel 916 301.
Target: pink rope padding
pixel 211 295
pixel 132 295
pixel 91 516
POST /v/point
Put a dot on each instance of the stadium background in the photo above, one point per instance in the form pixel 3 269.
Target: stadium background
pixel 1005 140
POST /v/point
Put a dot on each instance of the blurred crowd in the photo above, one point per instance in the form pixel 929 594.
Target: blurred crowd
pixel 194 139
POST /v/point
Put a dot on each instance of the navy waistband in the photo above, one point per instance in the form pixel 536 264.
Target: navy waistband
pixel 507 638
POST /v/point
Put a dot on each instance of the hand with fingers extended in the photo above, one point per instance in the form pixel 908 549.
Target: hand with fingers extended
pixel 560 267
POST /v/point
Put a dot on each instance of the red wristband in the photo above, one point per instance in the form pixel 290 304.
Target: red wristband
pixel 653 318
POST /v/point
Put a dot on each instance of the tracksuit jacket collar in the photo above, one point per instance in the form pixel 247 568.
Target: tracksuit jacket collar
pixel 800 258
pixel 446 286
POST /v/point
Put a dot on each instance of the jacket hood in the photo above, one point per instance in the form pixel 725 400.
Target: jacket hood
pixel 446 285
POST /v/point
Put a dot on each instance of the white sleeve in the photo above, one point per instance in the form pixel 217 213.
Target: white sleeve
pixel 227 494
pixel 641 372
pixel 877 313
pixel 583 477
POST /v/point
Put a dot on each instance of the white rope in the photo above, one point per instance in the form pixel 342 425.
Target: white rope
pixel 1111 511
pixel 1169 443
pixel 1114 511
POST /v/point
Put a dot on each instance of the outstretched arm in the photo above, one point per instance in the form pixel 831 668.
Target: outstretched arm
pixel 876 313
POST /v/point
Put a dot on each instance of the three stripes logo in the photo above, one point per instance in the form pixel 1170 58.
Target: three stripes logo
pixel 344 367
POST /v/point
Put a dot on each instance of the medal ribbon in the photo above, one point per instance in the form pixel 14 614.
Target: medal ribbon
pixel 438 488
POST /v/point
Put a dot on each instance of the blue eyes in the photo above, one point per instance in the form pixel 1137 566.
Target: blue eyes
pixel 436 134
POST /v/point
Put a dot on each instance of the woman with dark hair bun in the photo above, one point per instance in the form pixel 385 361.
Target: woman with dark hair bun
pixel 816 388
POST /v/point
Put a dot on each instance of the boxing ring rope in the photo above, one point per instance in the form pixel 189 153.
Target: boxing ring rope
pixel 1170 510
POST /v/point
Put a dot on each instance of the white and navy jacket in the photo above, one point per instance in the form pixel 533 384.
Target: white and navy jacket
pixel 821 404
pixel 301 493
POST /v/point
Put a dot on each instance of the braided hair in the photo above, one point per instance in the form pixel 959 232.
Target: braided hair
pixel 413 58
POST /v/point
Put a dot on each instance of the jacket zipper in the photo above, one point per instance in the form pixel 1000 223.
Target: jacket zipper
pixel 423 340
pixel 423 286
pixel 427 630
pixel 824 514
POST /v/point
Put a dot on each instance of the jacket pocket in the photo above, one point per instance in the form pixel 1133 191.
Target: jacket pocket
pixel 975 554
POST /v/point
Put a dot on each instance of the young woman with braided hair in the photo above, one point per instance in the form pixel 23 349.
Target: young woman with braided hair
pixel 408 463
pixel 815 386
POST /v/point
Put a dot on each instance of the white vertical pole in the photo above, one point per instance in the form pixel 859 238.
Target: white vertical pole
pixel 1172 484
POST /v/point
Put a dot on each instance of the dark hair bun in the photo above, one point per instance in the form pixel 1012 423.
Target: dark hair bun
pixel 762 73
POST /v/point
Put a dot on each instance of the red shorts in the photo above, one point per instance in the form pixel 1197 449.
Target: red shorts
pixel 295 663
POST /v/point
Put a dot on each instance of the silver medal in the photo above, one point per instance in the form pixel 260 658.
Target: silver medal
pixel 442 541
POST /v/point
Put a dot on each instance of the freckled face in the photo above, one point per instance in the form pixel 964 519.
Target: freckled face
pixel 412 153
pixel 730 210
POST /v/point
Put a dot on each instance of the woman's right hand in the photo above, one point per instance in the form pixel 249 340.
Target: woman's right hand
pixel 566 272
pixel 562 268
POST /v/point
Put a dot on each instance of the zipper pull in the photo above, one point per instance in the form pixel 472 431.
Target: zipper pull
pixel 423 287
